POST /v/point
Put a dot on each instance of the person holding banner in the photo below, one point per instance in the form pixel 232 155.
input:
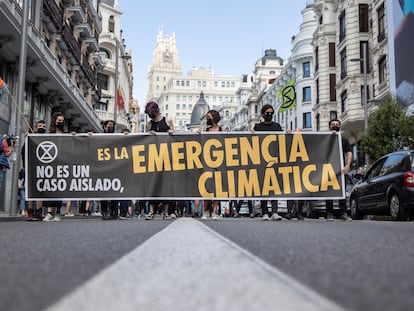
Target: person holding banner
pixel 158 123
pixel 268 125
pixel 56 126
pixel 109 207
pixel 212 119
pixel 335 127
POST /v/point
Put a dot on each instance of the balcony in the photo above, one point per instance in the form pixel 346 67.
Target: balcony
pixel 85 30
pixel 88 71
pixel 52 15
pixel 72 44
pixel 77 13
pixel 93 44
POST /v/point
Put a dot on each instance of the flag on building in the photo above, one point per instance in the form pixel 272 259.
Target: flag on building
pixel 120 99
pixel 287 95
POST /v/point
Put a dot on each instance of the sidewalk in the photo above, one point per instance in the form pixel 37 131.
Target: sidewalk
pixel 5 216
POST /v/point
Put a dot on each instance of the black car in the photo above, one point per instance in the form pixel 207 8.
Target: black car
pixel 387 188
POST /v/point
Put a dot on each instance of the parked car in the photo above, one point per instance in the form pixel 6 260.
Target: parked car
pixel 316 208
pixel 387 188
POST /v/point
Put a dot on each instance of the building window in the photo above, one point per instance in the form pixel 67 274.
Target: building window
pixel 343 64
pixel 342 26
pixel 344 101
pixel 307 120
pixel 166 98
pixel 361 56
pixel 177 106
pixel 223 84
pixel 177 83
pixel 111 24
pixel 363 17
pixel 333 115
pixel 318 122
pixel 381 23
pixel 317 91
pixel 183 83
pixel 382 69
pixel 158 79
pixel 204 83
pixel 215 84
pixel 101 106
pixel 332 87
pixel 187 83
pixel 199 83
pixel 332 51
pixel 316 59
pixel 306 94
pixel 306 69
pixel 103 81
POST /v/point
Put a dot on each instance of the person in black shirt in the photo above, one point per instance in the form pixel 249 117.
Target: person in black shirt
pixel 335 127
pixel 268 125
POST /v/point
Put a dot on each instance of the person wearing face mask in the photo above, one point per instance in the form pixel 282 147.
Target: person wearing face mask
pixel 335 127
pixel 268 125
pixel 158 123
pixel 212 120
pixel 56 126
pixel 37 214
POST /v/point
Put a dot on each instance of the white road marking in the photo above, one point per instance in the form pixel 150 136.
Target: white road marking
pixel 187 266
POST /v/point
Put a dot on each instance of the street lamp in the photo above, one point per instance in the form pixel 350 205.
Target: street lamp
pixel 365 89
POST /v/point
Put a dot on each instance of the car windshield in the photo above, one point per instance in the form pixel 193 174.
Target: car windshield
pixel 412 160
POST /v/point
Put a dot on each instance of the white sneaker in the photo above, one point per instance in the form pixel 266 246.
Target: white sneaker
pixel 265 217
pixel 215 217
pixel 48 217
pixel 205 216
pixel 69 214
pixel 276 216
pixel 56 218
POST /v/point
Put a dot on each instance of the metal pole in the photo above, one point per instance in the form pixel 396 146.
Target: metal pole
pixel 116 79
pixel 365 97
pixel 20 104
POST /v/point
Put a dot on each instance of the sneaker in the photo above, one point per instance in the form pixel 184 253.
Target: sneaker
pixel 69 214
pixel 265 217
pixel 252 215
pixel 300 217
pixel 215 217
pixel 236 215
pixel 106 216
pixel 288 216
pixel 173 216
pixel 126 217
pixel 98 214
pixel 56 218
pixel 330 217
pixel 149 216
pixel 345 217
pixel 166 216
pixel 48 217
pixel 276 216
pixel 205 216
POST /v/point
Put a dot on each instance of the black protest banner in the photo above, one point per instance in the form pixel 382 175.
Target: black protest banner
pixel 184 166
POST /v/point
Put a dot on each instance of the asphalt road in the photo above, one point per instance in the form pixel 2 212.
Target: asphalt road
pixel 359 265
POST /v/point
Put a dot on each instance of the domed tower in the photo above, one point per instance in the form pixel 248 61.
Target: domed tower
pixel 197 115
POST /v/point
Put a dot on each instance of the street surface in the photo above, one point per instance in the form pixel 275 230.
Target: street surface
pixel 187 264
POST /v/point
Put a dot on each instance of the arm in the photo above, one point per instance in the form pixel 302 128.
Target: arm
pixel 348 158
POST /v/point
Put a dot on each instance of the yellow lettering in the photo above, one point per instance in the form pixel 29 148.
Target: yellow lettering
pixel 231 151
pixel 305 178
pixel 248 185
pixel 219 186
pixel 213 158
pixel 285 171
pixel 202 185
pixel 158 160
pixel 177 156
pixel 329 178
pixel 138 159
pixel 193 152
pixel 270 182
pixel 267 157
pixel 249 151
pixel 298 149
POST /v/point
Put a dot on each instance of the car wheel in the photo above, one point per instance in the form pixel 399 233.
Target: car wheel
pixel 355 211
pixel 396 210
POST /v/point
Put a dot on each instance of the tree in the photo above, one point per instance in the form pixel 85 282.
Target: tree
pixel 390 129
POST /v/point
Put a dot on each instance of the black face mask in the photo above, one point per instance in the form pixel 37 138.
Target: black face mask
pixel 209 122
pixel 41 130
pixel 152 115
pixel 60 125
pixel 335 128
pixel 268 117
pixel 110 129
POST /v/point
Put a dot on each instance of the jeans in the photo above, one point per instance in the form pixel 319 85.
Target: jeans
pixel 22 199
pixel 200 208
pixel 263 205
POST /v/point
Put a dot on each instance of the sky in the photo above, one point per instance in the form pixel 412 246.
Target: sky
pixel 227 35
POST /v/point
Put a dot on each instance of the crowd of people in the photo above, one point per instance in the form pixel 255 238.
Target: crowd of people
pixel 129 209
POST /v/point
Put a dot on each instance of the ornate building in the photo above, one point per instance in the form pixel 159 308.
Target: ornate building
pixel 177 94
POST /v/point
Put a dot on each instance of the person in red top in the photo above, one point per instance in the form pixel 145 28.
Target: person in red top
pixel 6 149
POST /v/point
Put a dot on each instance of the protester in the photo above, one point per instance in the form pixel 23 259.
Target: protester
pixel 268 125
pixel 56 126
pixel 158 124
pixel 212 120
pixel 6 149
pixel 335 127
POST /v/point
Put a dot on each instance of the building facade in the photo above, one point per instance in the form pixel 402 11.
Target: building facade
pixel 177 94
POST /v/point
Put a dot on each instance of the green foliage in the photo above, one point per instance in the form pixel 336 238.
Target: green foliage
pixel 389 129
